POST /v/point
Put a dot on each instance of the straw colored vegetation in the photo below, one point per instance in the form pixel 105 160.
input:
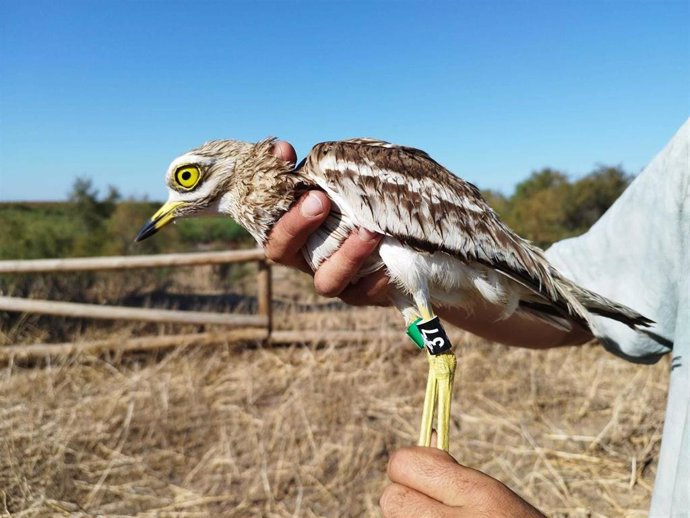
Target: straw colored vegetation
pixel 229 430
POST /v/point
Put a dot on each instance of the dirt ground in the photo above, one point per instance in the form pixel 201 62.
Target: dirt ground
pixel 294 431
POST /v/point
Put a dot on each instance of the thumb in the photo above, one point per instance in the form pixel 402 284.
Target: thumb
pixel 285 151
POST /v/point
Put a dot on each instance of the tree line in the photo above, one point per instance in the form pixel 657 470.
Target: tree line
pixel 548 206
pixel 92 224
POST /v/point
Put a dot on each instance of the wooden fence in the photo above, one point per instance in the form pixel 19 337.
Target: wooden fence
pixel 244 327
pixel 237 328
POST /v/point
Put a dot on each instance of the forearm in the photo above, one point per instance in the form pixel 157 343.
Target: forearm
pixel 516 330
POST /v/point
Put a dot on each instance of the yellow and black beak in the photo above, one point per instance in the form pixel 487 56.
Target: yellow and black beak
pixel 162 217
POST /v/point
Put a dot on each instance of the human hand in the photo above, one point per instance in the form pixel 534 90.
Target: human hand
pixel 334 277
pixel 427 482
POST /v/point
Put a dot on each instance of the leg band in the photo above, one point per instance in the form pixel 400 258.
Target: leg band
pixel 429 334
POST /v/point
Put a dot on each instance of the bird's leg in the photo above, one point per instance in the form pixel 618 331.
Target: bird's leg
pixel 430 397
pixel 443 368
pixel 428 332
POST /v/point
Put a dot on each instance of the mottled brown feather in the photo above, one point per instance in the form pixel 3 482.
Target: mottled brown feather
pixel 428 208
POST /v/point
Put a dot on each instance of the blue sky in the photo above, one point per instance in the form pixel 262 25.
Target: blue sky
pixel 493 90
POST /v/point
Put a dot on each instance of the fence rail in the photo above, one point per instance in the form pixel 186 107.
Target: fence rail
pixel 130 262
pixel 213 338
pixel 241 324
pixel 80 310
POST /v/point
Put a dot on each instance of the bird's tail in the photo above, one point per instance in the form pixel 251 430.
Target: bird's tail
pixel 595 303
pixel 575 303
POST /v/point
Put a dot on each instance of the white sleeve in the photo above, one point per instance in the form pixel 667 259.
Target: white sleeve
pixel 636 254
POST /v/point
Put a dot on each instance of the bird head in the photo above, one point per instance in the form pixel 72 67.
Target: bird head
pixel 215 178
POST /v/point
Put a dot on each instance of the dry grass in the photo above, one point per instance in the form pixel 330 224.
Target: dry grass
pixel 305 431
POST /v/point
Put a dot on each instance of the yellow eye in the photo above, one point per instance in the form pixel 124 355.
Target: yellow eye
pixel 187 176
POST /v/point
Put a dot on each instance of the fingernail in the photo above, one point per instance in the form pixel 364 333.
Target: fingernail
pixel 311 206
pixel 367 235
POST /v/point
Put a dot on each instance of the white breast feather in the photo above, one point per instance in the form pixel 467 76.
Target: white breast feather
pixel 451 282
pixel 327 239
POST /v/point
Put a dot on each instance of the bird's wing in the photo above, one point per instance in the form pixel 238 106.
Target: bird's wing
pixel 402 192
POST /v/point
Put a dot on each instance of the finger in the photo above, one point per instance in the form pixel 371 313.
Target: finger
pixel 371 290
pixel 398 501
pixel 293 229
pixel 435 473
pixel 285 151
pixel 338 270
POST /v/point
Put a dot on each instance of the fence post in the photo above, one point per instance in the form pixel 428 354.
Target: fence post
pixel 264 292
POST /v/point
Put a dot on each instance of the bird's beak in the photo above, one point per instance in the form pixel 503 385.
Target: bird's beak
pixel 162 217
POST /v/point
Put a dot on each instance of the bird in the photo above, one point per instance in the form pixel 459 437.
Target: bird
pixel 441 245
